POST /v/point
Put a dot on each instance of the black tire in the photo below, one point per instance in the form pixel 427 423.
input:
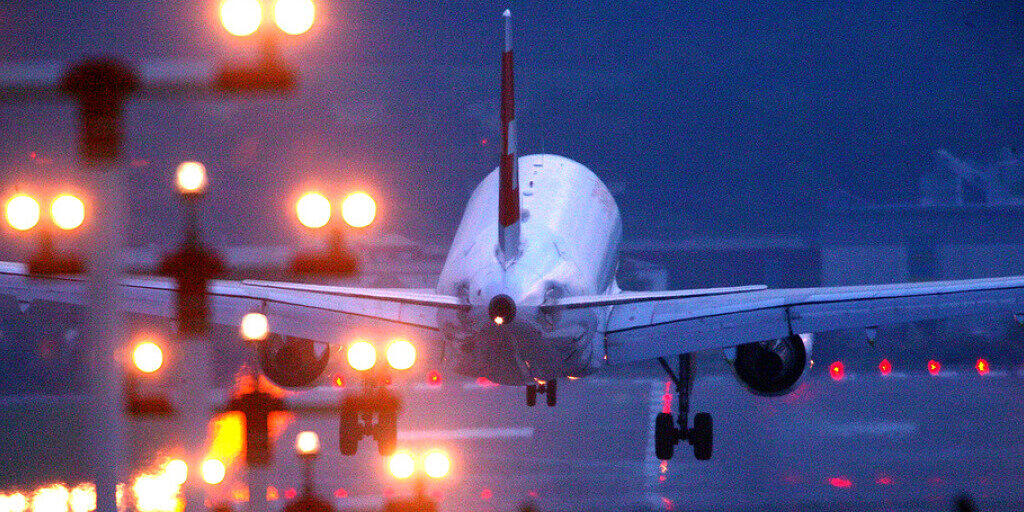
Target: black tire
pixel 552 393
pixel 531 395
pixel 349 431
pixel 664 436
pixel 702 436
pixel 386 434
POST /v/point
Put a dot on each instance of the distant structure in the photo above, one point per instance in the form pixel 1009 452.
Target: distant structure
pixel 954 181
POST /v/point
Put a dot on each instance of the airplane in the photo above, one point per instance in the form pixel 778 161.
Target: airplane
pixel 528 297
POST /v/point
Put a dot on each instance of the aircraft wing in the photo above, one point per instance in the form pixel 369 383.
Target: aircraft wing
pixel 320 313
pixel 655 327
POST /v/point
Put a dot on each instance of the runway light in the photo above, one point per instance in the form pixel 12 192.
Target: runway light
pixel 982 366
pixel 361 356
pixel 22 212
pixel 177 471
pixel 148 357
pixel 486 494
pixel 213 471
pixel 307 443
pixel 254 326
pixel 16 502
pixel 437 464
pixel 67 211
pixel 82 498
pixel 837 371
pixel 294 17
pixel 358 209
pixel 434 378
pixel 313 210
pixel 401 465
pixel 401 354
pixel 934 367
pixel 339 380
pixel 191 178
pixel 53 498
pixel 840 482
pixel 241 17
pixel 885 367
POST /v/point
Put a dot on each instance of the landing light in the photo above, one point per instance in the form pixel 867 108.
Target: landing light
pixel 362 356
pixel 307 443
pixel 401 355
pixel 499 320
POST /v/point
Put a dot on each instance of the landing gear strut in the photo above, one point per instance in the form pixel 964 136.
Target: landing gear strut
pixel 549 389
pixel 666 434
pixel 373 413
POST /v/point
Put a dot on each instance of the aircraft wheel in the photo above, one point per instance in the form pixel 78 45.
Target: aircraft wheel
pixel 702 436
pixel 386 433
pixel 349 432
pixel 664 436
pixel 551 393
pixel 531 395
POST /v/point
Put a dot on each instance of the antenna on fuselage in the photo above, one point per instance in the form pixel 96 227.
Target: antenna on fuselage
pixel 508 168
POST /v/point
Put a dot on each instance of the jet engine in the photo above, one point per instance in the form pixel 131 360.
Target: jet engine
pixel 771 368
pixel 293 362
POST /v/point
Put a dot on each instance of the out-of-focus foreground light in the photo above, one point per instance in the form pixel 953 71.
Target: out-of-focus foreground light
pixel 401 354
pixel 837 370
pixel 982 366
pixel 401 465
pixel 82 498
pixel 358 209
pixel 22 212
pixel 213 471
pixel 148 357
pixel 50 499
pixel 191 178
pixel 177 471
pixel 68 212
pixel 437 464
pixel 294 16
pixel 254 327
pixel 241 17
pixel 934 367
pixel 307 443
pixel 16 502
pixel 313 210
pixel 362 355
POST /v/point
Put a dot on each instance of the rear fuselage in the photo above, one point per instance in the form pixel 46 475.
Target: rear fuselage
pixel 570 233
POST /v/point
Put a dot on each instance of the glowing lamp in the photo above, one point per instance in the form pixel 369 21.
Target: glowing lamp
pixel 982 366
pixel 434 378
pixel 22 212
pixel 191 178
pixel 213 471
pixel 437 464
pixel 241 17
pixel 885 367
pixel 67 211
pixel 401 465
pixel 294 17
pixel 401 355
pixel 361 356
pixel 254 327
pixel 358 209
pixel 148 357
pixel 307 443
pixel 313 210
pixel 177 471
pixel 934 367
pixel 837 370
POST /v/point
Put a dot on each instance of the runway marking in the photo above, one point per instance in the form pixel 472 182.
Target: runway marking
pixel 468 433
pixel 869 428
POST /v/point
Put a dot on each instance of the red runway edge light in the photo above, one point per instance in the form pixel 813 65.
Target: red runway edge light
pixel 837 370
pixel 982 366
pixel 885 367
pixel 934 367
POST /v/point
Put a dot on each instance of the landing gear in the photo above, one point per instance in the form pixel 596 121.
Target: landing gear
pixel 666 434
pixel 373 413
pixel 549 389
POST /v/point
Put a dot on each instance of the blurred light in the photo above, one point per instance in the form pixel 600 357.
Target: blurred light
pixel 358 209
pixel 213 471
pixel 486 494
pixel 191 178
pixel 294 16
pixel 484 382
pixel 177 471
pixel 340 493
pixel 156 493
pixel 241 17
pixel 22 212
pixel 272 494
pixel 499 320
pixel 339 380
pixel 401 465
pixel 290 493
pixel 67 211
pixel 837 370
pixel 16 502
pixel 361 355
pixel 840 482
pixel 885 367
pixel 51 499
pixel 313 210
pixel 307 442
pixel 401 354
pixel 148 357
pixel 436 464
pixel 883 480
pixel 434 378
pixel 254 327
pixel 934 367
pixel 982 366
pixel 227 436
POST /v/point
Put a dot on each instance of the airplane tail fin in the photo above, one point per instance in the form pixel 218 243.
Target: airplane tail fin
pixel 508 170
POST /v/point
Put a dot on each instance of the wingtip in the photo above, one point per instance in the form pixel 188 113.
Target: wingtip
pixel 507 13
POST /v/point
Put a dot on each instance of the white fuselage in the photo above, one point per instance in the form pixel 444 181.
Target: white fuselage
pixel 570 233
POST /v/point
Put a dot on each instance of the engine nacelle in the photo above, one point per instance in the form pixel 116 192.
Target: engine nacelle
pixel 293 362
pixel 771 368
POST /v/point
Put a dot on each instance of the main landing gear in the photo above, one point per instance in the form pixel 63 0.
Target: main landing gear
pixel 549 389
pixel 373 413
pixel 666 434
